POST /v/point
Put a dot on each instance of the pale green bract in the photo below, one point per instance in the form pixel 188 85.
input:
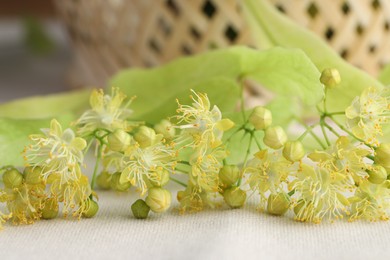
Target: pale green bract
pixel 288 73
pixel 271 28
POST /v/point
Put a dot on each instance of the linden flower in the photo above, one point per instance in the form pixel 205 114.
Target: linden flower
pixel 56 152
pixel 192 199
pixel 24 203
pixel 205 167
pixel 267 172
pixel 74 194
pixel 108 112
pixel 367 114
pixel 319 195
pixel 345 158
pixel 371 202
pixel 140 165
pixel 3 219
pixel 202 125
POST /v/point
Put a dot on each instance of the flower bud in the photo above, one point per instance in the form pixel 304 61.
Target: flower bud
pixel 119 140
pixel 260 118
pixel 158 199
pixel 103 180
pixel 140 209
pixel 12 178
pixel 165 128
pixel 330 77
pixel 32 175
pixel 145 136
pixel 378 174
pixel 116 184
pixel 278 204
pixel 92 208
pixel 234 197
pixel 229 175
pixel 382 155
pixel 293 151
pixel 50 209
pixel 162 178
pixel 180 195
pixel 275 137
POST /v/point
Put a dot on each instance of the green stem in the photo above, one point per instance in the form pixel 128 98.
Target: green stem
pixel 248 151
pixel 371 157
pixel 242 102
pixel 88 146
pixel 257 141
pixel 326 93
pixel 331 129
pixel 98 157
pixel 309 130
pixel 322 121
pixel 335 113
pixel 350 133
pixel 184 162
pixel 178 182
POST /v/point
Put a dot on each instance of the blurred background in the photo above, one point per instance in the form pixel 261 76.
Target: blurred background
pixel 34 49
pixel 54 45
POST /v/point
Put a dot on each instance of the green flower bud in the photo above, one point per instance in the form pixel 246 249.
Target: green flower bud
pixel 140 209
pixel 234 197
pixel 92 209
pixel 158 199
pixel 275 137
pixel 117 185
pixel 330 78
pixel 382 155
pixel 50 209
pixel 12 178
pixel 386 184
pixel 229 175
pixel 378 174
pixel 145 136
pixel 293 151
pixel 162 178
pixel 165 128
pixel 32 175
pixel 278 204
pixel 119 140
pixel 103 180
pixel 180 195
pixel 260 118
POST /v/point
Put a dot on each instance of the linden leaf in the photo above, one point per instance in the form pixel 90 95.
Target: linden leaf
pixel 14 136
pixel 220 74
pixel 271 28
pixel 46 106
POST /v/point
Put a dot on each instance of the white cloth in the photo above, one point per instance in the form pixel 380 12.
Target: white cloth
pixel 213 234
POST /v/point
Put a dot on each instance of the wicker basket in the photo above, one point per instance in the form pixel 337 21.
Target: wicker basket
pixel 111 34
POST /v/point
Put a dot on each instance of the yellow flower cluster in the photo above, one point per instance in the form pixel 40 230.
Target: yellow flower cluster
pixel 202 129
pixel 346 176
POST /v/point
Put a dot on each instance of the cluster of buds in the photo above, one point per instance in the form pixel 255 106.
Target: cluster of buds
pixel 348 177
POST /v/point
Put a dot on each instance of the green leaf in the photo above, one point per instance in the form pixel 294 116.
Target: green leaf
pixel 384 75
pixel 272 28
pixel 14 135
pixel 220 73
pixel 46 106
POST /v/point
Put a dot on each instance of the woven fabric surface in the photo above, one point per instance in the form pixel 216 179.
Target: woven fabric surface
pixel 214 234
